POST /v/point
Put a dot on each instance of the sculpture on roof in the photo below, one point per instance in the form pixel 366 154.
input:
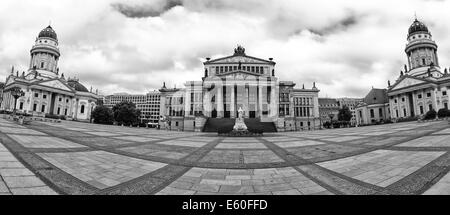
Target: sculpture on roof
pixel 239 51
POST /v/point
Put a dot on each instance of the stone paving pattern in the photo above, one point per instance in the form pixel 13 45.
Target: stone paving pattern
pixel 80 158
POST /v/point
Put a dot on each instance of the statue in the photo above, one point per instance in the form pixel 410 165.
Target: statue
pixel 240 65
pixel 389 83
pixel 240 124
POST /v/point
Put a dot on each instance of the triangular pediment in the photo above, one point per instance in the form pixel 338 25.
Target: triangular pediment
pixel 9 81
pixel 57 84
pixel 408 81
pixel 240 59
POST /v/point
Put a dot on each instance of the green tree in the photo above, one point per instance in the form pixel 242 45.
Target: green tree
pixel 442 113
pixel 430 115
pixel 103 115
pixel 126 113
pixel 345 114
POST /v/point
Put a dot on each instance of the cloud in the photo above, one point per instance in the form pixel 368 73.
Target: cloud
pixel 135 45
pixel 142 10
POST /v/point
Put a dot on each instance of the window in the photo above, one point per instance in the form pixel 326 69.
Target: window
pixel 44 96
pixel 21 106
pixel 423 62
pixel 60 99
pixel 404 112
pixel 446 106
pixel 396 113
pixel 65 112
pixel 403 99
pixel 419 96
pixel 444 93
pixel 35 107
pixel 428 95
pixel 430 107
pixel 395 101
pixel 67 100
pixel 43 108
pixel 36 95
pixel 380 112
pixel 421 109
pixel 82 109
pixel 59 111
pixel 42 65
pixel 372 113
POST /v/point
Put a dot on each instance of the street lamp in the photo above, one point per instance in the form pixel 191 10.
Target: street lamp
pixel 16 92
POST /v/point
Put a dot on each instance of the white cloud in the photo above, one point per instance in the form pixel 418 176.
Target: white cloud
pixel 345 46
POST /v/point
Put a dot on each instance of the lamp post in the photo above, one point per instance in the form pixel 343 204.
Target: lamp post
pixel 16 92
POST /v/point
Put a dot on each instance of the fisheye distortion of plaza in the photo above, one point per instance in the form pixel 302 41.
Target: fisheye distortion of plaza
pixel 232 83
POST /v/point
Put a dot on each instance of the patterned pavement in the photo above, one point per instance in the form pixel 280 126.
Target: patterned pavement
pixel 79 158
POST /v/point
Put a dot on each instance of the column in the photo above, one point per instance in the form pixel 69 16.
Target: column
pixel 273 100
pixel 433 99
pixel 220 101
pixel 260 99
pixel 233 102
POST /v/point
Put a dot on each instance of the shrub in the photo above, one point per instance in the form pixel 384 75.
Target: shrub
pixel 408 119
pixel 225 130
pixel 442 113
pixel 430 115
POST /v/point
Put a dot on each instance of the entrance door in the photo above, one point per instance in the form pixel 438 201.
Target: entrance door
pixel 214 114
pixel 252 114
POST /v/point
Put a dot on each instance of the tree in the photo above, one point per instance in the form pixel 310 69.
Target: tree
pixel 345 114
pixel 103 115
pixel 430 115
pixel 126 113
pixel 442 113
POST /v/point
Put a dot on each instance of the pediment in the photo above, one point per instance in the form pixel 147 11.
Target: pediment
pixel 242 75
pixel 240 59
pixel 57 84
pixel 408 82
pixel 10 80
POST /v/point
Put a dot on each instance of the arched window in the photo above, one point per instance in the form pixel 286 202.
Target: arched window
pixel 82 109
pixel 42 65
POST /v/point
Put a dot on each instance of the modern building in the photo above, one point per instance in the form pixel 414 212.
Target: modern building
pixel 149 104
pixel 422 86
pixel 238 82
pixel 374 108
pixel 46 90
pixel 328 109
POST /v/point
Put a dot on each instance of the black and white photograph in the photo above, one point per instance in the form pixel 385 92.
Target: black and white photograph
pixel 188 98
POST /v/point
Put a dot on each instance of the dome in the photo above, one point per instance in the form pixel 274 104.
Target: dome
pixel 49 33
pixel 77 86
pixel 418 26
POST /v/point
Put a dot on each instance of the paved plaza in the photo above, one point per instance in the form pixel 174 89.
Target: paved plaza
pixel 79 158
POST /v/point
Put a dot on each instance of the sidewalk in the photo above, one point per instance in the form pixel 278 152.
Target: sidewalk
pixel 16 179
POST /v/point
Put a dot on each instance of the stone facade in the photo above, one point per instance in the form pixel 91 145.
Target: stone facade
pixel 422 86
pixel 46 90
pixel 240 81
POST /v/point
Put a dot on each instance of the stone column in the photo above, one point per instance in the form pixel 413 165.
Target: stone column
pixel 434 100
pixel 260 100
pixel 233 102
pixel 219 101
pixel 273 100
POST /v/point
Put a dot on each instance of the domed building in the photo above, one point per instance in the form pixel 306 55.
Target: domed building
pixel 47 91
pixel 421 86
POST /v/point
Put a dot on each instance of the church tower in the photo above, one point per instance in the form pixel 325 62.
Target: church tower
pixel 421 51
pixel 45 54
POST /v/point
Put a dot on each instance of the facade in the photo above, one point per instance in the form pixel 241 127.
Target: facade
pixel 422 86
pixel 149 104
pixel 235 82
pixel 46 90
pixel 329 109
pixel 374 108
pixel 351 103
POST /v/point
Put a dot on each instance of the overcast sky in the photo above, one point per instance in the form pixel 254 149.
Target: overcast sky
pixel 134 45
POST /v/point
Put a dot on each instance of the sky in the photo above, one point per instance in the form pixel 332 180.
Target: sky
pixel 133 46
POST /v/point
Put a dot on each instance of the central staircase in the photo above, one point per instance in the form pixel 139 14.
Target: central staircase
pixel 213 125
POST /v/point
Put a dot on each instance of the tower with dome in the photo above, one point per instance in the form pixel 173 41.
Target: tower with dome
pixel 47 91
pixel 422 85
